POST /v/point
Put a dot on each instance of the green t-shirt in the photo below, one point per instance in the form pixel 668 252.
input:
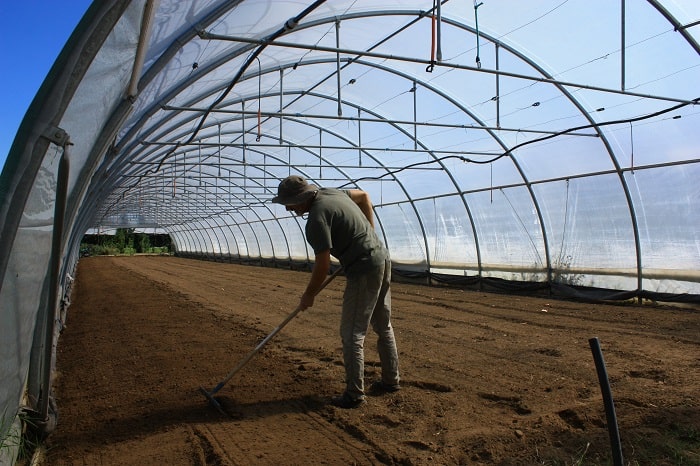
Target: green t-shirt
pixel 335 222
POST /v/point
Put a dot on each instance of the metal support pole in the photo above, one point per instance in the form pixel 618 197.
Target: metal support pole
pixel 359 138
pixel 622 45
pixel 44 420
pixel 281 101
pixel 498 88
pixel 414 89
pixel 337 65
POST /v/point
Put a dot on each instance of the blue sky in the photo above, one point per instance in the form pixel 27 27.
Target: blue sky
pixel 32 34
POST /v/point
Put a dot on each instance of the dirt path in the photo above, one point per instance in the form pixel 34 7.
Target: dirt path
pixel 488 379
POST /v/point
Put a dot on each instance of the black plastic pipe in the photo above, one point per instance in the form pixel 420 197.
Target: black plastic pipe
pixel 608 401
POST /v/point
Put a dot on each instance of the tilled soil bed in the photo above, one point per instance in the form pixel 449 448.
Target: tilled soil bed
pixel 488 379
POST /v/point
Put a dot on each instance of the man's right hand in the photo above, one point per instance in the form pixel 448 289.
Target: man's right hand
pixel 306 301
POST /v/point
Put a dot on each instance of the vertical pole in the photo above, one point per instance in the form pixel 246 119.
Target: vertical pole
pixel 415 116
pixel 498 89
pixel 438 42
pixel 337 65
pixel 359 137
pixel 622 44
pixel 281 100
pixel 243 128
pixel 54 272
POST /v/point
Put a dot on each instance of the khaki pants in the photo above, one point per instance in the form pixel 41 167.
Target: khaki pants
pixel 367 301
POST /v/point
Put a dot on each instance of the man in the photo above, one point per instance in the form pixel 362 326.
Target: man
pixel 340 223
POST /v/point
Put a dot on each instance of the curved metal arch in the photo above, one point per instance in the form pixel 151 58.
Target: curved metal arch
pixel 562 89
pixel 260 202
pixel 410 79
pixel 381 166
pixel 202 70
pixel 677 26
pixel 270 155
pixel 185 239
pixel 399 129
pixel 220 238
pixel 206 232
pixel 193 240
pixel 427 86
pixel 367 153
pixel 606 143
pixel 408 135
pixel 260 220
pixel 528 183
pixel 162 61
pixel 217 195
pixel 574 101
pixel 135 173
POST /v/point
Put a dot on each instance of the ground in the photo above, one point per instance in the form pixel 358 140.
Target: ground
pixel 488 379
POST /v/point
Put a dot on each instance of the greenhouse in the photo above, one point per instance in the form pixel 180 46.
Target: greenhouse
pixel 543 147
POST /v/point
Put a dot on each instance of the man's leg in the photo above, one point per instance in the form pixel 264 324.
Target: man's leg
pixel 381 323
pixel 359 301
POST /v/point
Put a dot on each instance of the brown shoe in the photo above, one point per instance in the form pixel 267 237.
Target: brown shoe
pixel 380 388
pixel 345 401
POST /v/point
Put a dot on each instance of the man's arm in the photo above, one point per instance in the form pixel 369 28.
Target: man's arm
pixel 361 198
pixel 322 265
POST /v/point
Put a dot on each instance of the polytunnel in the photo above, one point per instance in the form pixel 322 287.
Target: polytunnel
pixel 547 145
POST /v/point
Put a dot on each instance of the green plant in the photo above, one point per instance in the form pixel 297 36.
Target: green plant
pixel 579 461
pixel 561 272
pixel 13 441
pixel 144 243
pixel 673 444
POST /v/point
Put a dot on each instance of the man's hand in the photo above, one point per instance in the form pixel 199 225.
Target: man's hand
pixel 306 301
pixel 322 265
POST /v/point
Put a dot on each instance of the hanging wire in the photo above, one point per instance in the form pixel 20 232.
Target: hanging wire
pixel 431 66
pixel 533 141
pixel 476 21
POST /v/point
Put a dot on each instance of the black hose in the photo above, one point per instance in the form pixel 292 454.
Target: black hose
pixel 608 401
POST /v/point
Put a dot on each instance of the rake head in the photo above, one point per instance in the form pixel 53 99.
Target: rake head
pixel 212 401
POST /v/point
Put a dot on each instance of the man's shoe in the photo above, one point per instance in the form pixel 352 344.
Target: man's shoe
pixel 380 388
pixel 345 401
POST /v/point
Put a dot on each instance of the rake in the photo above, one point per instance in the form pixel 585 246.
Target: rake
pixel 249 356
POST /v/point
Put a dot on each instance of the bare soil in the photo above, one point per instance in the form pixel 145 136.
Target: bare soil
pixel 488 379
